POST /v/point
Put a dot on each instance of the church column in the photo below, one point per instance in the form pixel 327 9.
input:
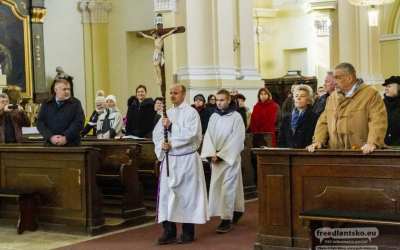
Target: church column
pixel 325 25
pixel 359 45
pixel 369 55
pixel 224 34
pixel 95 27
pixel 38 12
pixel 247 69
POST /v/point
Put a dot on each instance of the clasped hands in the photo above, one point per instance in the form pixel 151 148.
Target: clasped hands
pixel 366 149
pixel 58 140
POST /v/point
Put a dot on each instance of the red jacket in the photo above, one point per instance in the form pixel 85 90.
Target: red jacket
pixel 263 118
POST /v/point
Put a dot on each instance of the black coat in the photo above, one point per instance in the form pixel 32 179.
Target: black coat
pixel 205 115
pixel 140 117
pixel 393 111
pixel 302 136
pixel 67 120
pixel 92 124
pixel 319 105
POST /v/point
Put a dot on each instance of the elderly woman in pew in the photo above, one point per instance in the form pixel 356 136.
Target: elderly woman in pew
pixel 297 127
pixel 99 109
pixel 110 123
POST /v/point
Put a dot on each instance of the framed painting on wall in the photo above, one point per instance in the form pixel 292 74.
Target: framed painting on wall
pixel 15 46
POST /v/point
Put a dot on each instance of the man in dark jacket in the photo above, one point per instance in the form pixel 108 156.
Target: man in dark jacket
pixel 61 118
pixel 141 114
pixel 392 103
pixel 330 86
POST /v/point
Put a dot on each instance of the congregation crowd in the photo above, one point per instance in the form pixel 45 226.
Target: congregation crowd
pixel 345 114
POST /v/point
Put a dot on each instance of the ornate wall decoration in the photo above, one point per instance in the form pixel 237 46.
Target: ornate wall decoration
pixel 164 6
pixel 38 14
pixel 15 46
pixel 95 11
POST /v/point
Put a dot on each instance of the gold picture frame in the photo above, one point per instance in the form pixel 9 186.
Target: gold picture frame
pixel 25 19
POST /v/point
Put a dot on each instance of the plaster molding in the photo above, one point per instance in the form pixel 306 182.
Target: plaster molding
pixel 389 37
pixel 95 11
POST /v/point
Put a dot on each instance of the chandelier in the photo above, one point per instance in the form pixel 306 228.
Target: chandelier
pixel 369 2
pixel 373 12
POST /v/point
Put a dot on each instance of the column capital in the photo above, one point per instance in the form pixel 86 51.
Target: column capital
pixel 320 5
pixel 265 13
pixel 95 11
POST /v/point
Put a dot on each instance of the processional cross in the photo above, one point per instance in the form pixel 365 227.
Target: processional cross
pixel 158 35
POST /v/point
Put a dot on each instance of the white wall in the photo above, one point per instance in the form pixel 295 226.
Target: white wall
pixel 127 16
pixel 283 34
pixel 63 43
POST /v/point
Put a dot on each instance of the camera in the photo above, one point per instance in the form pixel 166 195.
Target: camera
pixel 12 106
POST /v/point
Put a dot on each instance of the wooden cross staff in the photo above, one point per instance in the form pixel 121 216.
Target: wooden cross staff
pixel 158 35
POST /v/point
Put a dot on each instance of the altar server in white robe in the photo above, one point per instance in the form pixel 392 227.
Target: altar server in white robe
pixel 223 143
pixel 182 195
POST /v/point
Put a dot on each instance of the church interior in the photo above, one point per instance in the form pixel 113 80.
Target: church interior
pixel 103 192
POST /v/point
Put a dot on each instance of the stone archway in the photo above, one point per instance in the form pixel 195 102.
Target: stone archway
pixel 394 20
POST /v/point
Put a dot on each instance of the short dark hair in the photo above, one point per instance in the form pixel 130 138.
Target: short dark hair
pixel 61 80
pixel 209 97
pixel 141 87
pixel 348 67
pixel 241 96
pixel 158 99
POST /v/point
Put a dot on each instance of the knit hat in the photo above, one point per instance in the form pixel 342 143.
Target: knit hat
pixel 100 99
pixel 392 79
pixel 112 98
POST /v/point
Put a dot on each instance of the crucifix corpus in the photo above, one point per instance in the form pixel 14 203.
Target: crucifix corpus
pixel 158 35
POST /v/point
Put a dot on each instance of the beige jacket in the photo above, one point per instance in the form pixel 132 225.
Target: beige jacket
pixel 351 122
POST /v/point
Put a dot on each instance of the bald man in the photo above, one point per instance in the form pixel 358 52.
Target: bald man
pixel 182 195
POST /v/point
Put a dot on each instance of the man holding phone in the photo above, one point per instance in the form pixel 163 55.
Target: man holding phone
pixel 12 119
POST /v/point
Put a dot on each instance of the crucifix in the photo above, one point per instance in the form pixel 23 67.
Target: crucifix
pixel 158 35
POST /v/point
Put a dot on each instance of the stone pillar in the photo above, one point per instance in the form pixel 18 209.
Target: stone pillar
pixel 95 19
pixel 323 13
pixel 40 88
pixel 224 25
pixel 247 69
pixel 359 43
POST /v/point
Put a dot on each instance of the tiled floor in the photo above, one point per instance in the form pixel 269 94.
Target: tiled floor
pixel 46 239
pixel 39 240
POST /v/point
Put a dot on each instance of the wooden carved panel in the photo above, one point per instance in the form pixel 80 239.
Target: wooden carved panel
pixel 276 205
pixel 59 183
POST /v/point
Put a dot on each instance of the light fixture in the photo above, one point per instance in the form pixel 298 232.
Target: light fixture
pixel 373 16
pixel 373 12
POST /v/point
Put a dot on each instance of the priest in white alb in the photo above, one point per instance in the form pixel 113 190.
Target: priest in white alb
pixel 182 195
pixel 222 145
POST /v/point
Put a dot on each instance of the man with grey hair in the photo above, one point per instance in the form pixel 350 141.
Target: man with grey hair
pixel 355 115
pixel 329 85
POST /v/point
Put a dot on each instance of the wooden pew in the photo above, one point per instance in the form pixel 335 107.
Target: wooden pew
pixel 65 178
pixel 118 179
pixel 119 176
pixel 292 182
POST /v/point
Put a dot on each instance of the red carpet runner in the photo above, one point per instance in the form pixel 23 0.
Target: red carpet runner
pixel 242 237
